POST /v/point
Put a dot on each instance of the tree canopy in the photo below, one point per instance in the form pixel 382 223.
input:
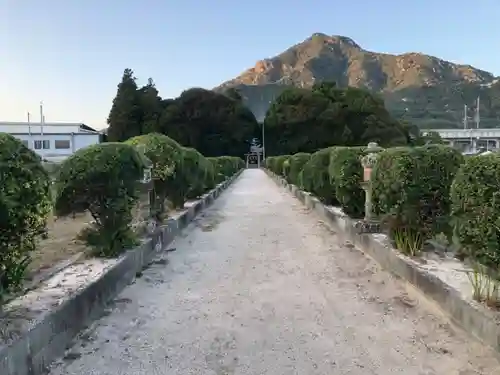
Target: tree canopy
pixel 306 120
pixel 215 124
pixel 299 120
pixel 124 119
pixel 212 123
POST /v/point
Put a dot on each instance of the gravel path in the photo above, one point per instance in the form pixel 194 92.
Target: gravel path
pixel 257 285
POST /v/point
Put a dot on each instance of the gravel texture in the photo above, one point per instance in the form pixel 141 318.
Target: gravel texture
pixel 257 285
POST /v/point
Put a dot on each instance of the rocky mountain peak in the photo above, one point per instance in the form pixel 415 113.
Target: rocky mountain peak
pixel 414 85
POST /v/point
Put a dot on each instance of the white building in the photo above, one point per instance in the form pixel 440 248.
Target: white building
pixel 470 140
pixel 52 141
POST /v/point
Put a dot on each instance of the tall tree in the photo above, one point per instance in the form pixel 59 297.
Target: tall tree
pixel 303 120
pixel 151 107
pixel 124 119
pixel 210 122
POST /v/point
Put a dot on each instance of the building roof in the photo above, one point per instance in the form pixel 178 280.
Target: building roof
pixel 23 124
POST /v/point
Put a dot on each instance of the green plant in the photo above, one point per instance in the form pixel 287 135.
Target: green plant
pixel 209 174
pixel 25 203
pixel 409 240
pixel 270 163
pixel 475 197
pixel 192 174
pixel 297 162
pixel 485 284
pixel 216 163
pixel 411 190
pixel 346 175
pixel 225 167
pixel 104 180
pixel 286 166
pixel 278 163
pixel 165 155
pixel 315 177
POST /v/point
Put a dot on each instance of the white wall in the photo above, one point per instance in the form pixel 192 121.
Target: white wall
pixel 76 142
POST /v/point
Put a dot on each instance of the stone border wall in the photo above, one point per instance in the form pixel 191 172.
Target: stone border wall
pixel 477 320
pixel 37 328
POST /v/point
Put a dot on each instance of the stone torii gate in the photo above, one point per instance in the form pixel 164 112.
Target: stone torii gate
pixel 253 160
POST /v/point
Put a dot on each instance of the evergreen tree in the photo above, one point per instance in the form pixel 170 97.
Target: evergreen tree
pixel 124 119
pixel 212 123
pixel 151 107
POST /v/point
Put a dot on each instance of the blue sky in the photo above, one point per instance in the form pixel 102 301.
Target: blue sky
pixel 71 53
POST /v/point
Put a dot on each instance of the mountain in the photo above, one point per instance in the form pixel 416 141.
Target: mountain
pixel 425 90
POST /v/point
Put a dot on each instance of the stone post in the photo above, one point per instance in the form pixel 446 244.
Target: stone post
pixel 148 204
pixel 368 162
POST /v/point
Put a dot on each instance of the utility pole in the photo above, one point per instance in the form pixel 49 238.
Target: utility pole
pixel 42 120
pixel 29 125
pixel 477 113
pixel 263 143
pixel 465 116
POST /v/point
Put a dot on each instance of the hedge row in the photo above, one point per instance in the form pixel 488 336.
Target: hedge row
pixel 411 193
pixel 332 174
pixel 417 193
pixel 475 208
pixel 104 180
pixel 410 187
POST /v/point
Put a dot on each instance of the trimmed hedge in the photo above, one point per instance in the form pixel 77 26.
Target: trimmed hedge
pixel 296 162
pixel 25 203
pixel 166 157
pixel 346 175
pixel 279 162
pixel 411 192
pixel 286 166
pixel 315 177
pixel 226 166
pixel 475 197
pixel 104 180
pixel 270 164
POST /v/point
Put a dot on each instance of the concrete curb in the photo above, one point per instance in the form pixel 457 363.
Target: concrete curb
pixel 44 337
pixel 474 318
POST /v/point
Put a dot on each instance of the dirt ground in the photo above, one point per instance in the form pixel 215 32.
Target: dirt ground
pixel 258 285
pixel 61 243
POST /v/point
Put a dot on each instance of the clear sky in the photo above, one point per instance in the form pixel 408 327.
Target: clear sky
pixel 71 53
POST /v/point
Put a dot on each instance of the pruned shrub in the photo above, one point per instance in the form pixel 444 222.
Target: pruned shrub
pixel 315 177
pixel 209 174
pixel 193 176
pixel 218 169
pixel 286 166
pixel 225 167
pixel 104 180
pixel 411 192
pixel 230 165
pixel 296 161
pixel 270 163
pixel 165 155
pixel 475 198
pixel 237 164
pixel 346 175
pixel 278 164
pixel 25 204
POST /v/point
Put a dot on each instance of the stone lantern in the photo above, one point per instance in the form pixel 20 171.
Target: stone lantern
pixel 368 162
pixel 147 199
